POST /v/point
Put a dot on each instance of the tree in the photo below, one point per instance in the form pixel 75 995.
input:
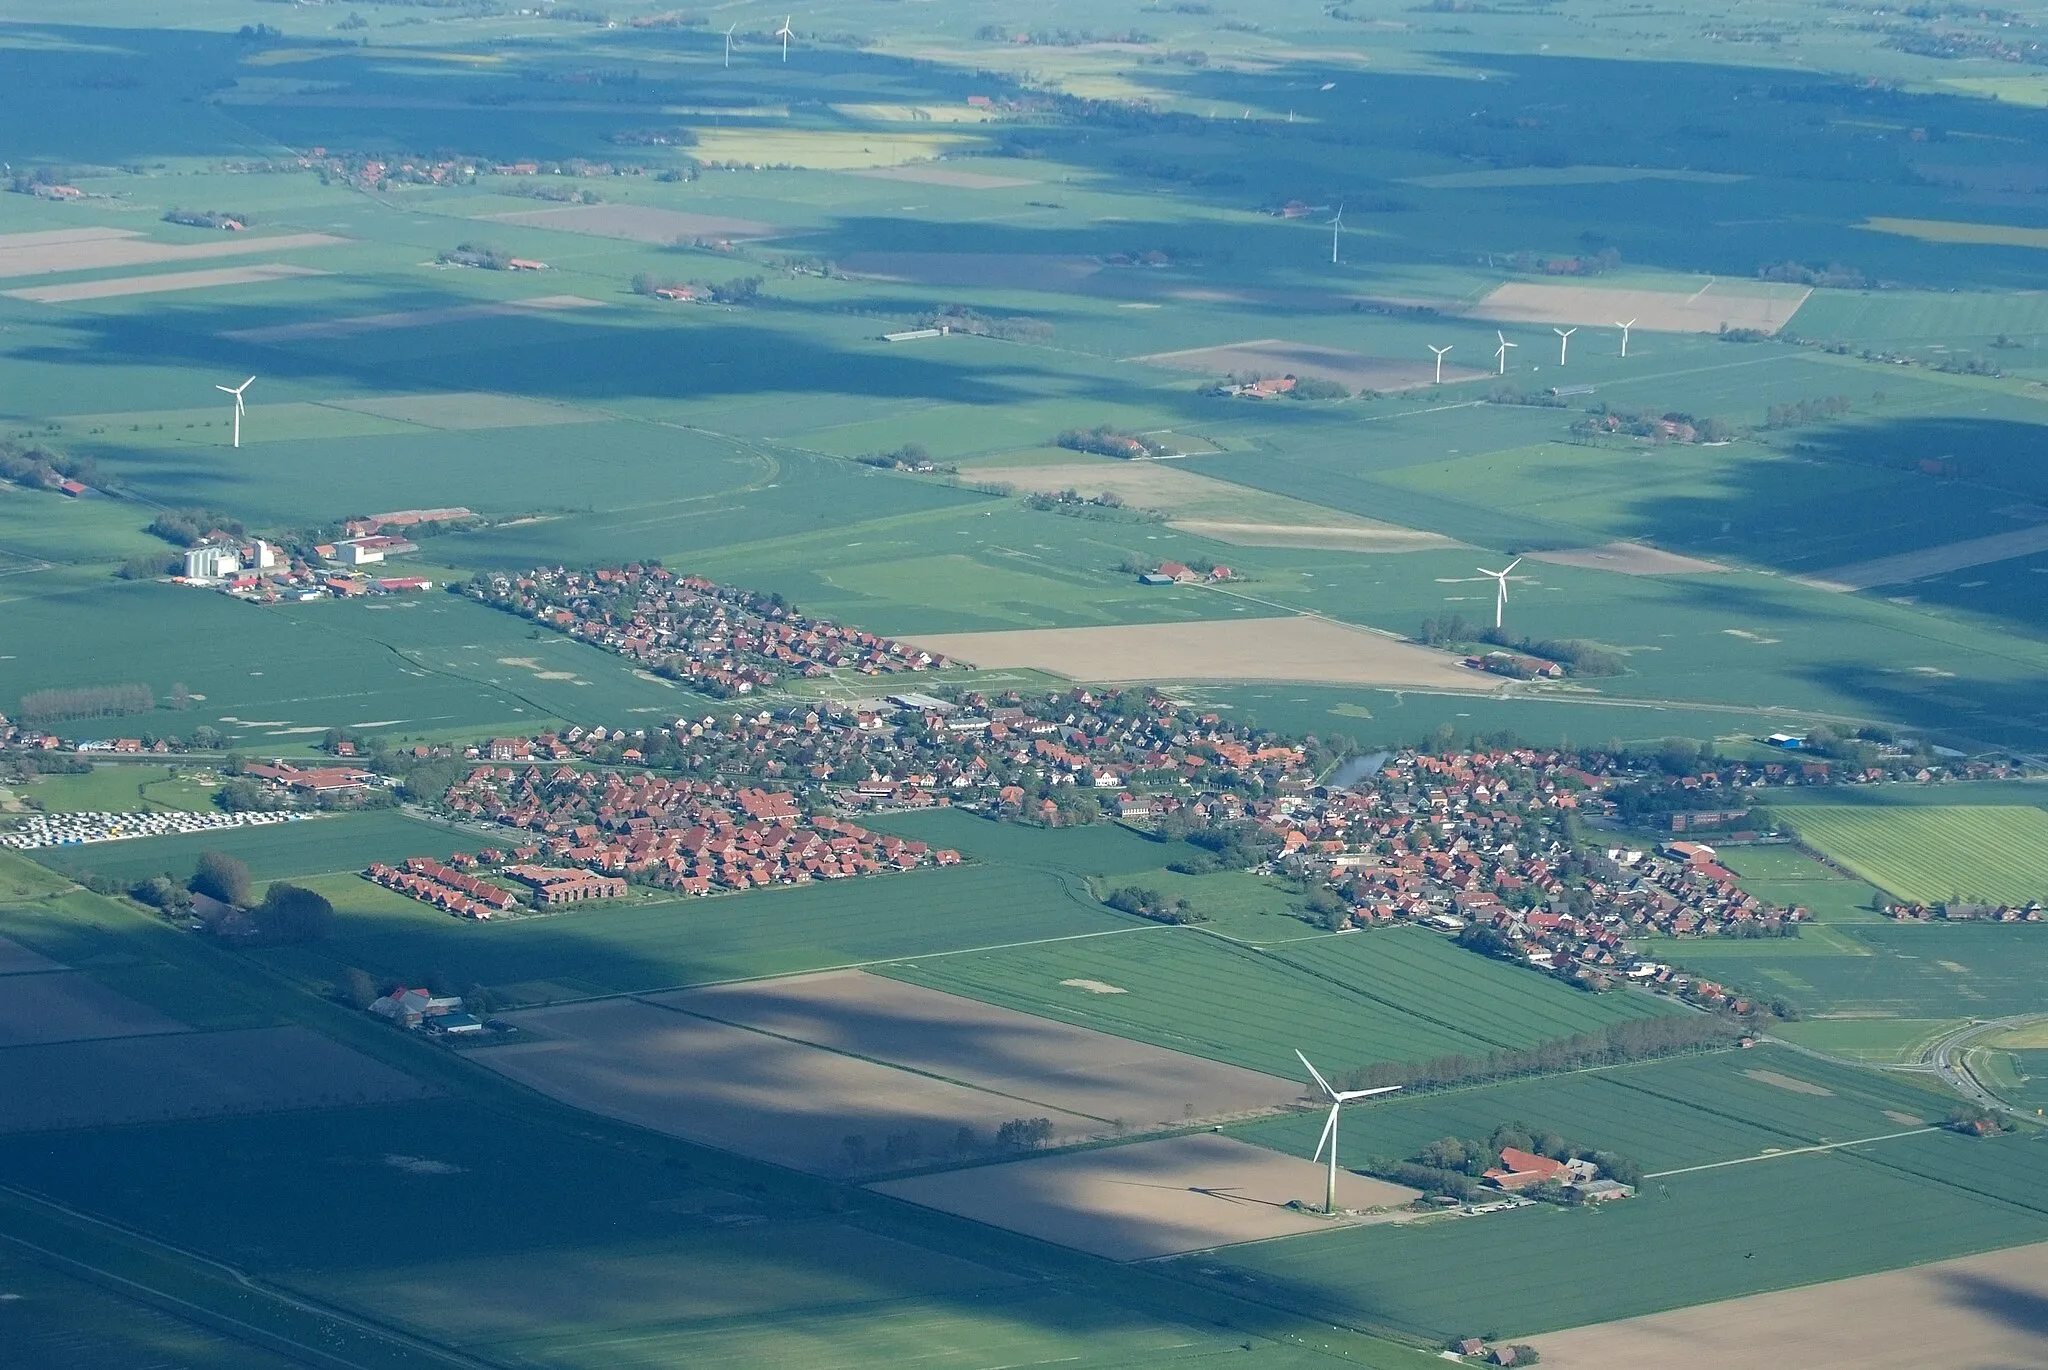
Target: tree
pixel 220 876
pixel 291 914
pixel 1024 1134
pixel 357 989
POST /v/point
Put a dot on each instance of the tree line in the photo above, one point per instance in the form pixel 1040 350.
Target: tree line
pixel 1635 1039
pixel 86 701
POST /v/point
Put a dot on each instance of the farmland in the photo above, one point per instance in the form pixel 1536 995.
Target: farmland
pixel 629 292
pixel 1373 997
pixel 1977 853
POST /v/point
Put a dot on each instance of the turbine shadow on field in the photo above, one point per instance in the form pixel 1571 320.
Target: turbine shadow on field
pixel 2023 1310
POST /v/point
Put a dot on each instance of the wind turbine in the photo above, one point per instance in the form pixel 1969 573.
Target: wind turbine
pixel 1338 1098
pixel 1564 340
pixel 1502 351
pixel 1439 359
pixel 236 391
pixel 1336 224
pixel 1625 327
pixel 1500 602
pixel 728 45
pixel 784 34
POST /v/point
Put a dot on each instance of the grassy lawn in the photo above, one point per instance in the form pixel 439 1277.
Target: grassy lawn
pixel 345 842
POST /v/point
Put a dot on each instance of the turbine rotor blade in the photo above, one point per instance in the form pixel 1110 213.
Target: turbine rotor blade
pixel 1317 1073
pixel 1350 1094
pixel 1329 1131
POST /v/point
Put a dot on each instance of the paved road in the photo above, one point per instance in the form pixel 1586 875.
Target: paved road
pixel 1946 1057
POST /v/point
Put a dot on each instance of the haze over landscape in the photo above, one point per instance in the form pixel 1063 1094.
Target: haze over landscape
pixel 1164 682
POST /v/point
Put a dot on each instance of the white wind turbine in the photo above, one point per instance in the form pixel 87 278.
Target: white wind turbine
pixel 1564 340
pixel 1501 352
pixel 1500 601
pixel 1336 225
pixel 1338 1098
pixel 785 35
pixel 728 44
pixel 1625 327
pixel 236 391
pixel 1439 359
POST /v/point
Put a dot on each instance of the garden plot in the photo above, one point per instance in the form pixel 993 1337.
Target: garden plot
pixel 1298 648
pixel 1150 1199
pixel 187 1074
pixel 1035 1060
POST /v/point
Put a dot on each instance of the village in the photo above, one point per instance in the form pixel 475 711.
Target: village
pixel 717 639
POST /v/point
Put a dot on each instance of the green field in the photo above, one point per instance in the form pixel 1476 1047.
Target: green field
pixel 1745 1227
pixel 1975 853
pixel 343 842
pixel 125 788
pixel 1348 999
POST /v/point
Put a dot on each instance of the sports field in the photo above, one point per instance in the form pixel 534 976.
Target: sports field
pixel 1975 853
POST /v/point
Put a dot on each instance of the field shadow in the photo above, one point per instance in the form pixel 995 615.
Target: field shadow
pixel 2021 1309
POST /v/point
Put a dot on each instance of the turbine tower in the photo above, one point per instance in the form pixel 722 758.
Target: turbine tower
pixel 236 391
pixel 1338 1098
pixel 1625 327
pixel 728 44
pixel 1336 225
pixel 1564 340
pixel 1501 352
pixel 1500 601
pixel 1439 359
pixel 784 34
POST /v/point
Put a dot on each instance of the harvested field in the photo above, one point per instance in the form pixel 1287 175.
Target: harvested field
pixel 1214 508
pixel 119 287
pixel 16 959
pixel 1957 231
pixel 814 149
pixel 1737 304
pixel 1507 177
pixel 1629 559
pixel 1331 537
pixel 468 409
pixel 64 1006
pixel 762 1096
pixel 943 176
pixel 1297 648
pixel 1035 1060
pixel 1980 1311
pixel 1932 561
pixel 1787 1082
pixel 186 1074
pixel 637 223
pixel 97 249
pixel 1132 1203
pixel 1277 356
pixel 994 270
pixel 412 318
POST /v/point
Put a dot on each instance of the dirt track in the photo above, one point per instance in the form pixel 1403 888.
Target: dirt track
pixel 1297 648
pixel 1980 1311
